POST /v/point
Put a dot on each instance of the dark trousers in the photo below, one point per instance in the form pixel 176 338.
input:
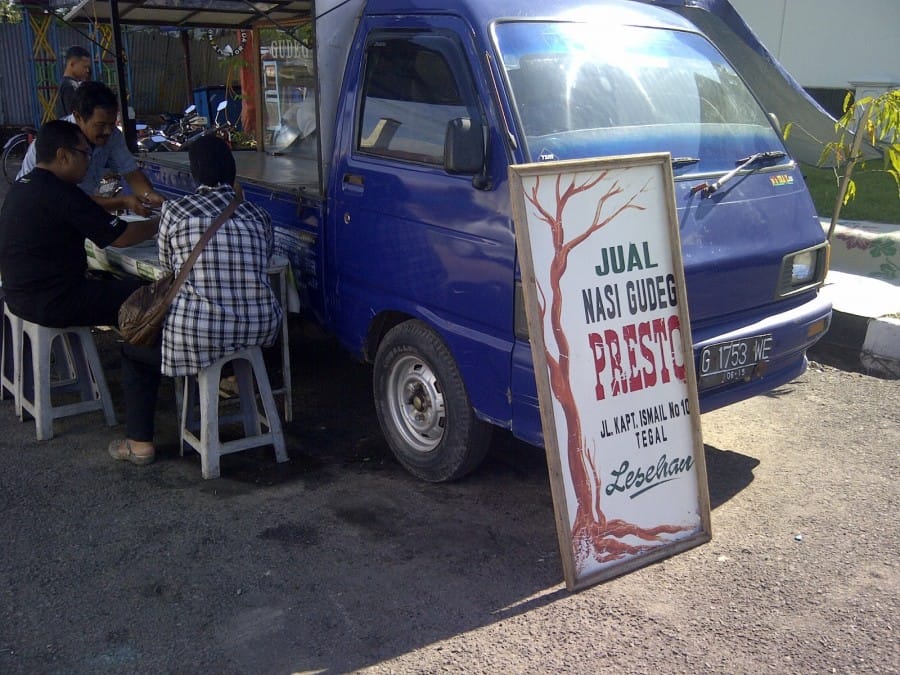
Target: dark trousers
pixel 87 302
pixel 140 382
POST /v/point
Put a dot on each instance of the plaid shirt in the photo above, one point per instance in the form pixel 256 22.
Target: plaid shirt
pixel 227 302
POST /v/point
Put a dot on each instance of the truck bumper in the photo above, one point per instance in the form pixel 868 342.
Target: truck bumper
pixel 793 331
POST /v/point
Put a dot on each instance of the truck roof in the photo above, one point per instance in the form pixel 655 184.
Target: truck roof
pixel 479 12
pixel 337 19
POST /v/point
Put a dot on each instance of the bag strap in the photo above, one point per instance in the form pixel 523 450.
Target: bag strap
pixel 192 258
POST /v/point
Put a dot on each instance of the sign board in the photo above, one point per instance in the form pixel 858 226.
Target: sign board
pixel 605 299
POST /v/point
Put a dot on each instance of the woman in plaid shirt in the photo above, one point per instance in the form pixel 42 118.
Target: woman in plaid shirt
pixel 226 304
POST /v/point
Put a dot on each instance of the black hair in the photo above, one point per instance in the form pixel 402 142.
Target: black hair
pixel 90 95
pixel 53 135
pixel 211 161
pixel 77 52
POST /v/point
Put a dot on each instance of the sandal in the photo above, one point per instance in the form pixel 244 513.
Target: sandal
pixel 228 388
pixel 121 449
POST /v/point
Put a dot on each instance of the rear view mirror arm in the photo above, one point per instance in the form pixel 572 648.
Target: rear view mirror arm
pixel 482 180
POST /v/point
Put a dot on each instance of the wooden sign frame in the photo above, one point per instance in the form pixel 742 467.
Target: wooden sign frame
pixel 603 280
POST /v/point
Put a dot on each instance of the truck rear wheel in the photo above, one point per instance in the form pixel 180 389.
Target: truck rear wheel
pixel 423 408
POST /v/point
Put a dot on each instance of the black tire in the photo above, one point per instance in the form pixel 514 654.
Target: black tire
pixel 13 154
pixel 423 408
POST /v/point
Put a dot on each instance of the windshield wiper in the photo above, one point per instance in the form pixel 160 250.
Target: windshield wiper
pixel 745 163
pixel 678 162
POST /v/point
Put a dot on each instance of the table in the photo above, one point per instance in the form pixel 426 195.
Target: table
pixel 142 260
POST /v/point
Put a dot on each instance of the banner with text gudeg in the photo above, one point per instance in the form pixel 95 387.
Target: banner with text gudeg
pixel 604 289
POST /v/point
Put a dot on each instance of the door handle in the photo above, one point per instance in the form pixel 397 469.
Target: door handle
pixel 353 184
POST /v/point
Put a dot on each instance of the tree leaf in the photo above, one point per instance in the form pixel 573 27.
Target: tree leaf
pixel 892 156
pixel 848 98
pixel 851 192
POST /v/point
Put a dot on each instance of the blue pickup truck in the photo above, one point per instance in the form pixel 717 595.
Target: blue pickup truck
pixel 398 221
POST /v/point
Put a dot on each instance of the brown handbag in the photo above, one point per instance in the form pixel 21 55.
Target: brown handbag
pixel 142 315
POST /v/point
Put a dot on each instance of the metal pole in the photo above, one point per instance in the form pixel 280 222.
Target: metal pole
pixel 186 49
pixel 127 123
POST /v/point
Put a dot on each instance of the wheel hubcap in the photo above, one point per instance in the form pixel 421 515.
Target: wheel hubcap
pixel 416 403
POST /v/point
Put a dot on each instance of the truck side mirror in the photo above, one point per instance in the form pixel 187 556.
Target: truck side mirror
pixel 464 147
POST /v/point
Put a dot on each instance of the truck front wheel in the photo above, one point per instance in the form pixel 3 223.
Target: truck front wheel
pixel 423 407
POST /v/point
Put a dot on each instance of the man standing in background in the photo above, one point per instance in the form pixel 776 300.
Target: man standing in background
pixel 78 70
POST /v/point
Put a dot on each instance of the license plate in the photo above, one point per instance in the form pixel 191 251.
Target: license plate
pixel 735 361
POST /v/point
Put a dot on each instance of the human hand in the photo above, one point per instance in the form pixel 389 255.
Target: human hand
pixel 134 204
pixel 152 199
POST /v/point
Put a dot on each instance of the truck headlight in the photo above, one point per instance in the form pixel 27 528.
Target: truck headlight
pixel 803 270
pixel 803 267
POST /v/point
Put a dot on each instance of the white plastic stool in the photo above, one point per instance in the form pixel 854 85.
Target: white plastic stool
pixel 34 384
pixel 248 367
pixel 63 372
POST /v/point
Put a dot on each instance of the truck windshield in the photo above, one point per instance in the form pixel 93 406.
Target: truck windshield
pixel 582 90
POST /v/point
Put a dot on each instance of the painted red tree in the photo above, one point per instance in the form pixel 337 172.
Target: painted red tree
pixel 593 535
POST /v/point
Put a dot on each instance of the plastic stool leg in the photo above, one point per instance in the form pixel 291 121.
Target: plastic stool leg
pixel 95 376
pixel 273 421
pixel 188 403
pixel 210 446
pixel 11 357
pixel 7 369
pixel 64 369
pixel 243 372
pixel 43 416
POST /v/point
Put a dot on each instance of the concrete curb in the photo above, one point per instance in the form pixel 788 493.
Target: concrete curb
pixel 881 348
pixel 869 345
pixel 865 329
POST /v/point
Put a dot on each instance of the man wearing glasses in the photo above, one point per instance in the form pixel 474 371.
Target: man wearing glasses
pixel 43 224
pixel 94 110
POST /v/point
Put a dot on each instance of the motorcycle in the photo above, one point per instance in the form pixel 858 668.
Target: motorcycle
pixel 174 133
pixel 181 141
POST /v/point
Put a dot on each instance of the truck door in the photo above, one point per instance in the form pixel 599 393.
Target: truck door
pixel 409 239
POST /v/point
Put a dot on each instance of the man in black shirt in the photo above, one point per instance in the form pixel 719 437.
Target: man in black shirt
pixel 78 70
pixel 43 224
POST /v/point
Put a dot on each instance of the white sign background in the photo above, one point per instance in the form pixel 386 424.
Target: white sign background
pixel 631 376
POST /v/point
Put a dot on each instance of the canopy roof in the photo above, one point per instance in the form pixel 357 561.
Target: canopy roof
pixel 183 13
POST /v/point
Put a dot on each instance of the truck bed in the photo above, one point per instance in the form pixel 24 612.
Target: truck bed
pixel 286 186
pixel 291 174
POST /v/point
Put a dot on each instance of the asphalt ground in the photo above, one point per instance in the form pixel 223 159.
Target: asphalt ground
pixel 341 561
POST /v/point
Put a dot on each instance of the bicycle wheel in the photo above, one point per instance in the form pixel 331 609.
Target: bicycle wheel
pixel 13 154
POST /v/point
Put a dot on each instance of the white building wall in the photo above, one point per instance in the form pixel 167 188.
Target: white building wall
pixel 830 43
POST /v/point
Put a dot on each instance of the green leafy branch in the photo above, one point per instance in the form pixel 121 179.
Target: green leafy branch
pixel 875 119
pixel 10 12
